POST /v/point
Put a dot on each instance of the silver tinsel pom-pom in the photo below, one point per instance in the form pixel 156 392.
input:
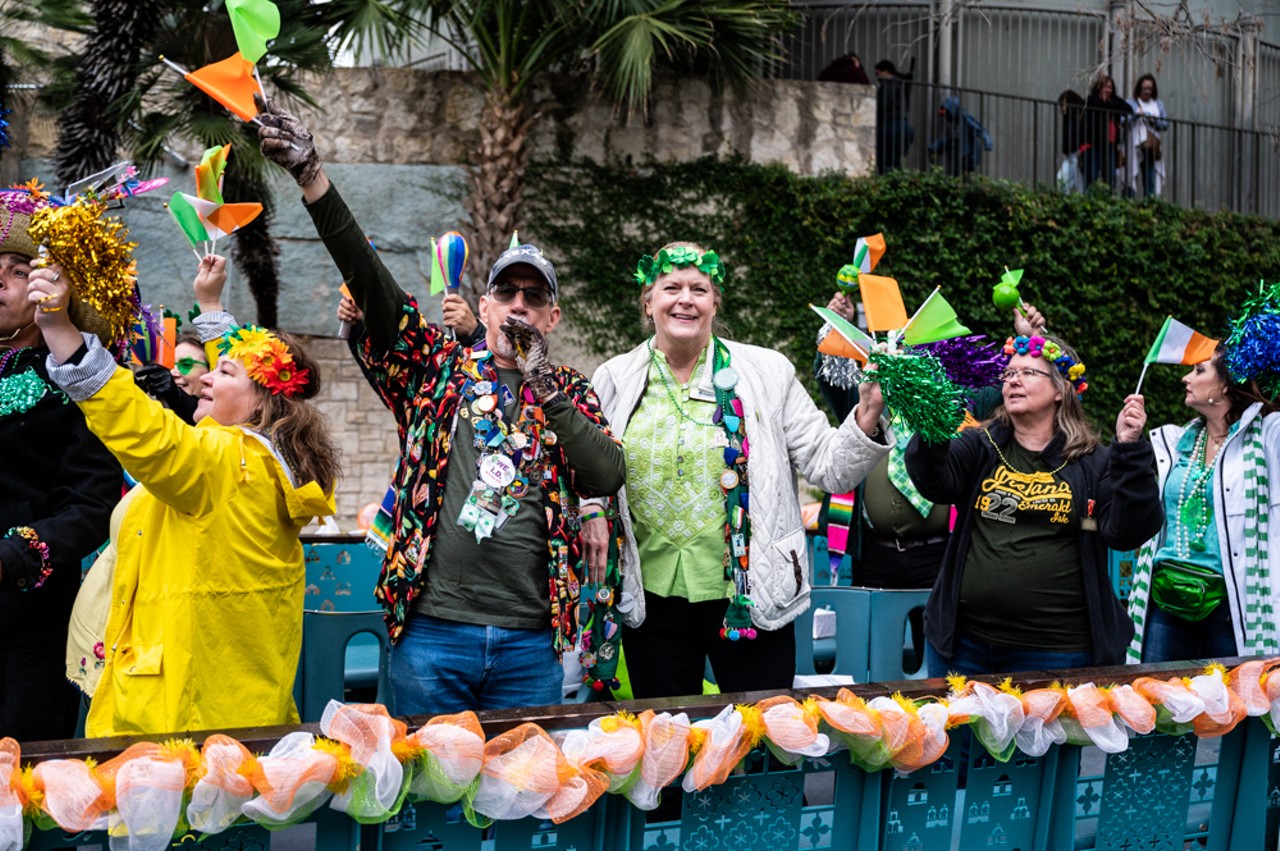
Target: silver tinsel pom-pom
pixel 838 372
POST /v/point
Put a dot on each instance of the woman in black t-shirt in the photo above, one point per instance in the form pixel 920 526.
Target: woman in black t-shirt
pixel 1024 583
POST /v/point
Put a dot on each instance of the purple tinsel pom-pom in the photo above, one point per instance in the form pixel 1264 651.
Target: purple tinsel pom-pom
pixel 970 361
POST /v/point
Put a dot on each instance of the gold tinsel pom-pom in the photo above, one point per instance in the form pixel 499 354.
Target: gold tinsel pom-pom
pixel 97 259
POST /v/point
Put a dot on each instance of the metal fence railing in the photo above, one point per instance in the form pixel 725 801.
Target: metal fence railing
pixel 1204 166
pixel 1268 103
pixel 1030 50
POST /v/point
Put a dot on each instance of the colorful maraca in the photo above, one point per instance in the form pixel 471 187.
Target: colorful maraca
pixel 1006 295
pixel 452 254
pixel 866 254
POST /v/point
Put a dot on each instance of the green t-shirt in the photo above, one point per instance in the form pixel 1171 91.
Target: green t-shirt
pixel 1022 584
pixel 890 514
pixel 501 580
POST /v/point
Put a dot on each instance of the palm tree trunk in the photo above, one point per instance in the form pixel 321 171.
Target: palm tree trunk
pixel 88 136
pixel 497 176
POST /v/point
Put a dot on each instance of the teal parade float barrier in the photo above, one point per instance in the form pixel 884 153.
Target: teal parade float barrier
pixel 1154 791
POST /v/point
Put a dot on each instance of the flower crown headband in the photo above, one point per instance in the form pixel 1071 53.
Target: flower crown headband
pixel 1038 347
pixel 650 268
pixel 266 359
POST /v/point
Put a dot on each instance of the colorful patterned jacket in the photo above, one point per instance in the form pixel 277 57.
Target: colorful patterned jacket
pixel 419 378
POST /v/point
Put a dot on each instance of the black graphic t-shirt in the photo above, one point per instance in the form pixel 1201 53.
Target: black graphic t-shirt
pixel 1022 584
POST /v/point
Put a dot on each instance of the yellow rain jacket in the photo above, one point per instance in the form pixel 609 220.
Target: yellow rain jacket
pixel 206 605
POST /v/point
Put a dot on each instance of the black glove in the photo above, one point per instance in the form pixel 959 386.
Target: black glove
pixel 286 141
pixel 158 383
pixel 531 357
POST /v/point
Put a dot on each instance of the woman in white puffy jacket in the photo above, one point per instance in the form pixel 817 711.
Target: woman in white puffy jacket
pixel 714 563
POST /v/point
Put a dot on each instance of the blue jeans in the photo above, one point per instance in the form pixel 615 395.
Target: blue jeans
pixel 1169 638
pixel 972 656
pixel 440 667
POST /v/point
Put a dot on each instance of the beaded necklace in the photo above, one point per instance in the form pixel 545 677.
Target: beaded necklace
pixel 10 355
pixel 1193 509
pixel 1005 461
pixel 22 391
pixel 512 456
pixel 733 482
pixel 671 393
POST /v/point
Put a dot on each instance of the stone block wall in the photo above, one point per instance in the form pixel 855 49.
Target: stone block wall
pixel 365 428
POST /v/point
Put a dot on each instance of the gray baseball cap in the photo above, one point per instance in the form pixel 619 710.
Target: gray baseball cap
pixel 528 255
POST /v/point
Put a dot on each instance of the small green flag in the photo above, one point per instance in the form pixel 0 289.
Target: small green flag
pixel 437 274
pixel 254 22
pixel 188 219
pixel 935 320
pixel 515 240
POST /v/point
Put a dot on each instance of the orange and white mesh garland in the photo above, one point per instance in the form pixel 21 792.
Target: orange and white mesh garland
pixel 368 767
pixel 11 827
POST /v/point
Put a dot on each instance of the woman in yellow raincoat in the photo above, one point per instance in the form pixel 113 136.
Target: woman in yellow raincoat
pixel 205 624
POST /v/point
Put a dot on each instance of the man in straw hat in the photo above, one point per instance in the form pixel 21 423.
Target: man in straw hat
pixel 57 487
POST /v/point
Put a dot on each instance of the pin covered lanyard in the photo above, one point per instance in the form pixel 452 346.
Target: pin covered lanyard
pixel 510 457
pixel 737 506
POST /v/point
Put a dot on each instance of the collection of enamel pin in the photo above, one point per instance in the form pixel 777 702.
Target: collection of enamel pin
pixel 733 481
pixel 512 459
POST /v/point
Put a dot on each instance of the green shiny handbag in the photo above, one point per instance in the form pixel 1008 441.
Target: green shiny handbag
pixel 1187 591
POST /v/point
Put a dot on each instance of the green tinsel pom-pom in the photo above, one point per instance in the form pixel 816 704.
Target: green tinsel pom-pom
pixel 916 388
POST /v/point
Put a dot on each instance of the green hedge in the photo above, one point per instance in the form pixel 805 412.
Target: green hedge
pixel 1104 270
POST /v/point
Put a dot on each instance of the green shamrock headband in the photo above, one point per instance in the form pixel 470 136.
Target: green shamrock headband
pixel 649 268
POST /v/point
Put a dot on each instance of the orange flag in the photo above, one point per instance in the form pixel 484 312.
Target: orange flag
pixel 230 217
pixel 169 343
pixel 229 82
pixel 883 303
pixel 834 344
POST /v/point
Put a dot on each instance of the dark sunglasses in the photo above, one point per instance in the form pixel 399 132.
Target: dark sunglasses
pixel 185 365
pixel 535 297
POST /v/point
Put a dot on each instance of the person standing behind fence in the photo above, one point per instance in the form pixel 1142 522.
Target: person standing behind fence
pixel 894 133
pixel 714 563
pixel 485 561
pixel 845 69
pixel 205 623
pixel 1203 586
pixel 1105 116
pixel 1024 583
pixel 1071 175
pixel 57 486
pixel 1146 145
pixel 962 141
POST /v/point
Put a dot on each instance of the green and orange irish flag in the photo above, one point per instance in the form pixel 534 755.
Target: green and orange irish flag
pixel 1178 343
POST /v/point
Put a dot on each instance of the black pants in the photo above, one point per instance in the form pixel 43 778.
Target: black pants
pixel 36 701
pixel 667 654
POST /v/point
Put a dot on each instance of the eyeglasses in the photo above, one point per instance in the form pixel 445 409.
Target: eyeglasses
pixel 185 365
pixel 535 297
pixel 1024 374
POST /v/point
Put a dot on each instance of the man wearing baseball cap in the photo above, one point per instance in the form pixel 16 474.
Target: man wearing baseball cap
pixel 57 487
pixel 497 447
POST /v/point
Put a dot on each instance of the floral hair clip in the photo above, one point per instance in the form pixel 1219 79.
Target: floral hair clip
pixel 1039 347
pixel 266 359
pixel 650 268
